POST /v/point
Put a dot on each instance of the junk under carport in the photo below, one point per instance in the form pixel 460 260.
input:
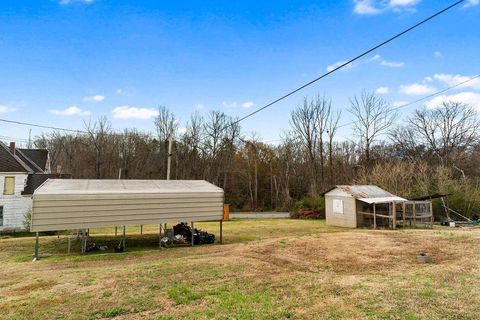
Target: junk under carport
pixel 83 204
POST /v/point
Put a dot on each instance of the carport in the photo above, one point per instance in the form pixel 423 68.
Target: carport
pixel 76 204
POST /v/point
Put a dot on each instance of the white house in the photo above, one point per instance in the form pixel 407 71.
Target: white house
pixel 21 172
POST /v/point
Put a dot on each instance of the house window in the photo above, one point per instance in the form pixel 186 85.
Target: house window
pixel 9 186
pixel 338 206
pixel 1 216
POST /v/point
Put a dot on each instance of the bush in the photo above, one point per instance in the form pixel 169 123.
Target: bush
pixel 27 219
pixel 304 208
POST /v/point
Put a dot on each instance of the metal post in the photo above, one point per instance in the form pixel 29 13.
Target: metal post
pixel 69 243
pixel 403 214
pixel 414 213
pixel 374 217
pixel 85 239
pixel 169 160
pixel 116 233
pixel 141 229
pixel 192 231
pixel 160 235
pixel 36 246
pixel 394 215
pixel 431 212
pixel 123 240
pixel 221 231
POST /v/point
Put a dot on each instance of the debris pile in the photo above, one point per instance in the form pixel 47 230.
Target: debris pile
pixel 308 213
pixel 199 236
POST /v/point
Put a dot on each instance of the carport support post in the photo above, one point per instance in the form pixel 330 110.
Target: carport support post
pixel 221 231
pixel 374 217
pixel 192 231
pixel 36 246
pixel 123 239
pixel 160 235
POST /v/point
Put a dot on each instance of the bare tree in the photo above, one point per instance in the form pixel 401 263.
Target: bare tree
pixel 98 134
pixel 449 130
pixel 372 117
pixel 165 123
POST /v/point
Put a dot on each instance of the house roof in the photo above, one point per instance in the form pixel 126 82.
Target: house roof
pixel 10 162
pixel 368 193
pixel 36 180
pixel 35 158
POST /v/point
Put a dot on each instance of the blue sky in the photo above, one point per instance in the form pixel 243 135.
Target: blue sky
pixel 64 62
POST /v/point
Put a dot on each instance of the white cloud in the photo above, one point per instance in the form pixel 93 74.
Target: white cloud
pixel 229 105
pixel 366 7
pixel 382 90
pixel 70 111
pixel 95 98
pixel 403 3
pixel 182 130
pixel 416 89
pixel 65 2
pixel 471 3
pixel 200 107
pixel 392 64
pixel 6 109
pixel 373 7
pixel 437 54
pixel 338 64
pixel 467 97
pixel 127 112
pixel 399 103
pixel 248 104
pixel 374 58
pixel 235 104
pixel 454 79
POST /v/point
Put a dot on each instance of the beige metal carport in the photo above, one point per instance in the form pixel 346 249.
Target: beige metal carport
pixel 61 204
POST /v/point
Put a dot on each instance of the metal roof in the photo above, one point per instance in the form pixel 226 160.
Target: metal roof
pixel 364 192
pixel 95 186
pixel 382 200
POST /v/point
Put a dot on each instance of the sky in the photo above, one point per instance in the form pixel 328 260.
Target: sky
pixel 69 62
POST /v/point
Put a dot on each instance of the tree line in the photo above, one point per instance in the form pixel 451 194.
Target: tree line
pixel 433 150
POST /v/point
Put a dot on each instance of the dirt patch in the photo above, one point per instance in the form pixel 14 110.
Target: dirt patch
pixel 31 287
pixel 354 253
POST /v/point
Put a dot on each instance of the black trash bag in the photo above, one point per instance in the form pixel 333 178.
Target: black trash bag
pixel 199 236
pixel 119 248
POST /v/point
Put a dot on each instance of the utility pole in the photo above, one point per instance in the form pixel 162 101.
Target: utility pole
pixel 169 160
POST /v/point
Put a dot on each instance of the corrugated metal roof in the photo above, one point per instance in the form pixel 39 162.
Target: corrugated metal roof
pixel 382 200
pixel 365 191
pixel 95 186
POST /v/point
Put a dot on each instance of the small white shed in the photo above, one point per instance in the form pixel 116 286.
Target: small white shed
pixel 67 204
pixel 361 206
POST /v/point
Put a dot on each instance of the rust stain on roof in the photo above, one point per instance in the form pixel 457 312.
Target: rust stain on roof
pixel 365 191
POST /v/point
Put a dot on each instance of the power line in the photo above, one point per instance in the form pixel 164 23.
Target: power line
pixel 41 126
pixel 347 63
pixel 423 98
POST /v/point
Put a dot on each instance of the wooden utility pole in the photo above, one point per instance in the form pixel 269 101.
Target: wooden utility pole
pixel 169 160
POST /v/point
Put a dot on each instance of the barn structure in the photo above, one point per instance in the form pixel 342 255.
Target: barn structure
pixel 357 206
pixel 82 204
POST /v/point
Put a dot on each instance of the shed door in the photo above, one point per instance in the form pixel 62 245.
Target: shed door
pixel 9 187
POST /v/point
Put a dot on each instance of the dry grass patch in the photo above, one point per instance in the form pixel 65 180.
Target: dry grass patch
pixel 291 270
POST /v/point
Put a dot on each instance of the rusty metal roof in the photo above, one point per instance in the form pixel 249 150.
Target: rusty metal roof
pixel 365 191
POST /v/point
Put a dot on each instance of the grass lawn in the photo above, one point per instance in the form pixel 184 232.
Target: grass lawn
pixel 267 269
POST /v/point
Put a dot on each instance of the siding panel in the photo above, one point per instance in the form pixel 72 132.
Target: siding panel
pixel 81 204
